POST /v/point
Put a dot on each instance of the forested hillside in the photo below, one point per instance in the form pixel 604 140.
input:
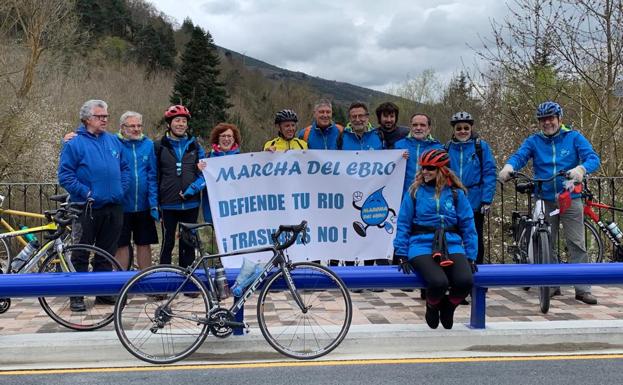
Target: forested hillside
pixel 54 55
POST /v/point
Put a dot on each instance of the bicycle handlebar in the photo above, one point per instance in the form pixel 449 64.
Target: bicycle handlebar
pixel 518 175
pixel 294 229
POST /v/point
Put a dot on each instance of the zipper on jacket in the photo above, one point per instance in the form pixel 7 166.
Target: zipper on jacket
pixel 554 159
pixel 461 163
pixel 135 177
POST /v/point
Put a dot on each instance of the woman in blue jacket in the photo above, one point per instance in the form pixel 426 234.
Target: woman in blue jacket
pixel 472 161
pixel 436 237
pixel 225 140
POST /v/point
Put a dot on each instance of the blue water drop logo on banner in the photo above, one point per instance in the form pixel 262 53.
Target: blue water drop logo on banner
pixel 374 212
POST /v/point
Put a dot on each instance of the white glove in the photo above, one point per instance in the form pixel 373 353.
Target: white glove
pixel 576 174
pixel 484 208
pixel 505 173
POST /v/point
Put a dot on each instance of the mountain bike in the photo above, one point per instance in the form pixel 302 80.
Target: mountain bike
pixel 610 230
pixel 55 256
pixel 164 313
pixel 532 232
pixel 519 249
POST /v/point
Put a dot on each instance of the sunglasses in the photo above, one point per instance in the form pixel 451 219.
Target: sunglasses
pixel 462 128
pixel 429 168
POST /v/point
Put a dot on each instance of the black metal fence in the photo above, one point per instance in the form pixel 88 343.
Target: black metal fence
pixel 34 197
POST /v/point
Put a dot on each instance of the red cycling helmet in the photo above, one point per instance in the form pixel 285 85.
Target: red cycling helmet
pixel 176 110
pixel 436 158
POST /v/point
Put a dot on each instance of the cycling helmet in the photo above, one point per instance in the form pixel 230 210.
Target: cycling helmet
pixel 436 157
pixel 286 116
pixel 176 110
pixel 546 109
pixel 461 117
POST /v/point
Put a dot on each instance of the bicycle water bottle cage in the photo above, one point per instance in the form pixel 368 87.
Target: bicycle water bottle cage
pixel 525 188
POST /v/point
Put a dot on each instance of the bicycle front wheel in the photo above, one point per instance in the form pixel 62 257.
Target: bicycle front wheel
pixel 317 329
pixel 155 321
pixel 98 310
pixel 543 256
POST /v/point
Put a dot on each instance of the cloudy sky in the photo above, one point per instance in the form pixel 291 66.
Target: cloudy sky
pixel 370 43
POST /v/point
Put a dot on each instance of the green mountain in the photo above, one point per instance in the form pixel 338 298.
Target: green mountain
pixel 342 93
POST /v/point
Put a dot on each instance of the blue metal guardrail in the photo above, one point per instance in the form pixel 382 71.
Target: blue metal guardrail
pixel 360 277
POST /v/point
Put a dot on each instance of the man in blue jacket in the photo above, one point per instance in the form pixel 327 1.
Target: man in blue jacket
pixel 559 148
pixel 359 133
pixel 92 167
pixel 416 143
pixel 140 203
pixel 323 133
pixel 472 161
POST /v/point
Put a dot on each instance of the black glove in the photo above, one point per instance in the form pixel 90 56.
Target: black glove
pixel 473 265
pixel 404 264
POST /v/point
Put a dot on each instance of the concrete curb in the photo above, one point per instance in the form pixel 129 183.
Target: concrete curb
pixel 99 349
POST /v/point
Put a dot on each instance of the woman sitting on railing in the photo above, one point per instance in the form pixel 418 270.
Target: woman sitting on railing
pixel 437 238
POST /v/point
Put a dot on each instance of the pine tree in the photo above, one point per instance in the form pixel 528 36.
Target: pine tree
pixel 197 85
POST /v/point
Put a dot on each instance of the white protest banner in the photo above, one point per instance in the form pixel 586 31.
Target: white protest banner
pixel 350 200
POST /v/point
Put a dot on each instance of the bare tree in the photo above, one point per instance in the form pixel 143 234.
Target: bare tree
pixel 565 50
pixel 35 26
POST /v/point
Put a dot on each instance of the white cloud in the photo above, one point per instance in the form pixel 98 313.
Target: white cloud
pixel 368 43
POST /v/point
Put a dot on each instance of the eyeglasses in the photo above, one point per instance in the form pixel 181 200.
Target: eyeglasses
pixel 100 117
pixel 429 168
pixel 133 125
pixel 462 128
pixel 225 136
pixel 359 117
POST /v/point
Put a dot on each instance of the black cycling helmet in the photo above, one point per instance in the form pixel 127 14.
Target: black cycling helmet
pixel 461 117
pixel 286 116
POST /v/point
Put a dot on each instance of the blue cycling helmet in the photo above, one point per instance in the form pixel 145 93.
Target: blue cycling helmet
pixel 546 109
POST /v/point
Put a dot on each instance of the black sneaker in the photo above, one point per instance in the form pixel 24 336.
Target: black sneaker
pixel 587 298
pixel 446 313
pixel 432 315
pixel 422 293
pixel 105 300
pixel 77 304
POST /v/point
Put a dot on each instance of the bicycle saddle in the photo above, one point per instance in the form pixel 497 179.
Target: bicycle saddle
pixel 61 198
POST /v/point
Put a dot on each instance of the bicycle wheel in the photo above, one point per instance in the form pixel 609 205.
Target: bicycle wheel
pixel 594 244
pixel 160 328
pixel 592 241
pixel 542 255
pixel 5 256
pixel 317 330
pixel 521 255
pixel 99 309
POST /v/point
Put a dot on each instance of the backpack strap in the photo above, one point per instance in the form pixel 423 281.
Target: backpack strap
pixel 306 133
pixel 477 150
pixel 340 140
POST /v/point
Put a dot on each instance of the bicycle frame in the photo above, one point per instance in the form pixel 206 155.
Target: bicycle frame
pixel 40 253
pixel 10 228
pixel 278 259
pixel 589 204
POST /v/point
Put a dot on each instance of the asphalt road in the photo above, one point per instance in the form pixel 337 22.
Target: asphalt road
pixel 570 370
